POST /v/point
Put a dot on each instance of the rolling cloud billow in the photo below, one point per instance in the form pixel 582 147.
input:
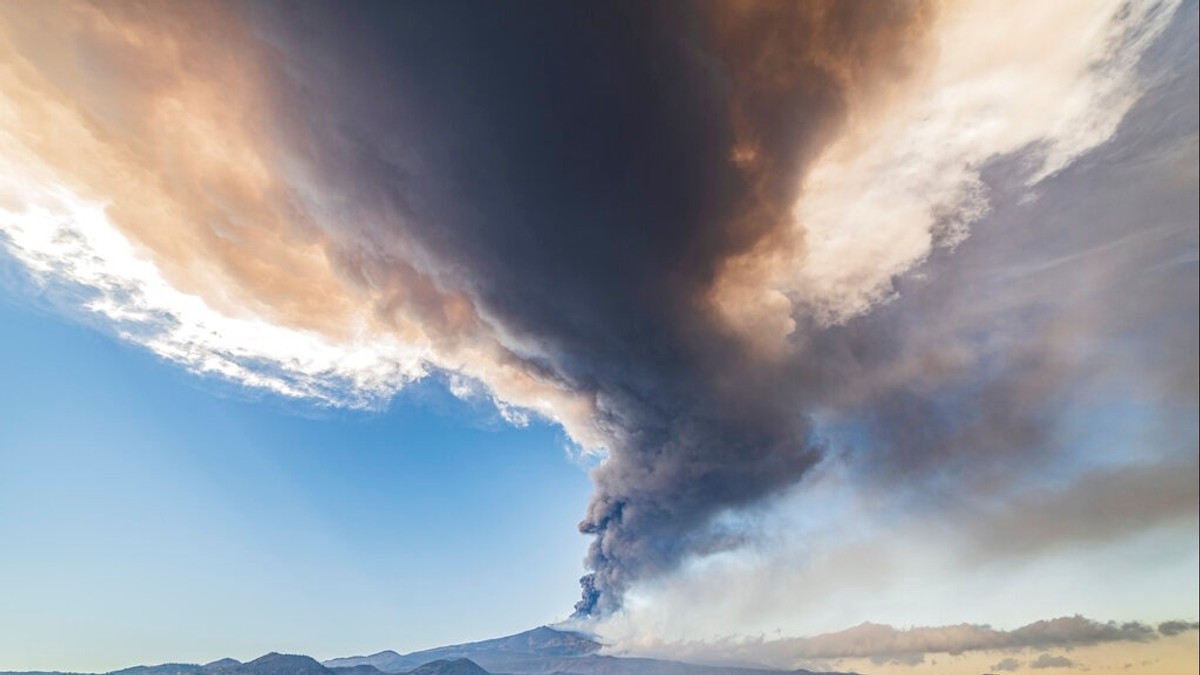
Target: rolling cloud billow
pixel 885 644
pixel 719 244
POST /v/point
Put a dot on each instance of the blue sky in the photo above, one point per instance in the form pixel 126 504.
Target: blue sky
pixel 151 516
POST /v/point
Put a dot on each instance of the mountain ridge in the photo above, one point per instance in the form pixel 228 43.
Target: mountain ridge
pixel 539 651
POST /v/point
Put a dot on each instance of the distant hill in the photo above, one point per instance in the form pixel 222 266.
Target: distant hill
pixel 461 666
pixel 268 664
pixel 363 669
pixel 278 664
pixel 450 667
pixel 163 669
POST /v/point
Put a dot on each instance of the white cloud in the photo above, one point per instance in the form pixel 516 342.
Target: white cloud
pixel 69 241
pixel 1053 79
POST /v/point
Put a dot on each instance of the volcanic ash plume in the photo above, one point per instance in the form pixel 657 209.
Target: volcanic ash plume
pixel 860 133
pixel 659 226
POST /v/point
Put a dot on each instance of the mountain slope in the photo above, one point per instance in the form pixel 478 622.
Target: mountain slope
pixel 494 654
pixel 361 669
pixel 541 651
pixel 450 667
pixel 279 664
pixel 163 669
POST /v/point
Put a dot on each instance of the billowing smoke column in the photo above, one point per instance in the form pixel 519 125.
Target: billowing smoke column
pixel 613 160
pixel 649 223
pixel 725 429
pixel 609 161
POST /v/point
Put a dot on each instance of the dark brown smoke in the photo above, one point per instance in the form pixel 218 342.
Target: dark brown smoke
pixel 736 433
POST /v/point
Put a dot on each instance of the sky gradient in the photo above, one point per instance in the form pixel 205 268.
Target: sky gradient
pixel 170 520
pixel 805 315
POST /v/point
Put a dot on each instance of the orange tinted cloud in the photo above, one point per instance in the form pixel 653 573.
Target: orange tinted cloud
pixel 140 161
pixel 949 90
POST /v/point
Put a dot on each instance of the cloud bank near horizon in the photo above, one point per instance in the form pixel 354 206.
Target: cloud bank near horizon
pixel 720 246
pixel 884 644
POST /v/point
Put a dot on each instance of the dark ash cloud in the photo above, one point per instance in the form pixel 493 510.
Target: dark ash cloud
pixel 1008 664
pixel 586 197
pixel 579 177
pixel 881 641
pixel 732 431
pixel 1170 628
pixel 1048 661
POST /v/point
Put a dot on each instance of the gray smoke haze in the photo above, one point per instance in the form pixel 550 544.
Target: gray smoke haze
pixel 874 640
pixel 888 644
